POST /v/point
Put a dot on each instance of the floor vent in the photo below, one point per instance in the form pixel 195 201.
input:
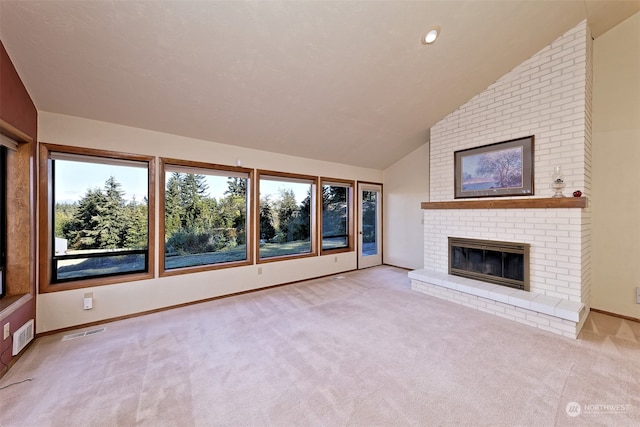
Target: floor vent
pixel 338 277
pixel 22 337
pixel 83 334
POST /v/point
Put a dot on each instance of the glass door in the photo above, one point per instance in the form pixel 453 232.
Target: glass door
pixel 369 225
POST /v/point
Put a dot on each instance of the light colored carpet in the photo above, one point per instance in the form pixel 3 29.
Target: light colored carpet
pixel 363 350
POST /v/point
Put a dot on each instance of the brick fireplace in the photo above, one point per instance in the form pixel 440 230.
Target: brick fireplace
pixel 548 96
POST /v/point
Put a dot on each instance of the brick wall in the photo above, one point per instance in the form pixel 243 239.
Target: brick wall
pixel 586 213
pixel 548 96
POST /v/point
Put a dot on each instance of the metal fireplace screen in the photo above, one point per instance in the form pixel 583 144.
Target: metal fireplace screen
pixel 502 263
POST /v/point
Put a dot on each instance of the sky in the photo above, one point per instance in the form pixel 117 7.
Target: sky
pixel 73 179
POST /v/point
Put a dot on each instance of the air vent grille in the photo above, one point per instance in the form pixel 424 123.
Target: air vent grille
pixel 22 337
pixel 83 334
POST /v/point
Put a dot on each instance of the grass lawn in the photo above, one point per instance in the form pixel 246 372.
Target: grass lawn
pixel 239 253
pixel 334 243
pixel 134 263
pixel 269 250
pixel 91 267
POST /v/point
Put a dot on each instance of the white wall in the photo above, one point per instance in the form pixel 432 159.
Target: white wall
pixel 63 309
pixel 616 174
pixel 546 96
pixel 406 185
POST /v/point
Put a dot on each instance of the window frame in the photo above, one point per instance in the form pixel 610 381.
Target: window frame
pixel 46 218
pixel 313 212
pixel 164 162
pixel 350 211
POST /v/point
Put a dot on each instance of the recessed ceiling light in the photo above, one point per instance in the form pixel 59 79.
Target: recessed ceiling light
pixel 431 35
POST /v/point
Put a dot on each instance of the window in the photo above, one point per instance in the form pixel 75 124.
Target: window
pixel 100 226
pixel 206 219
pixel 337 215
pixel 3 219
pixel 286 215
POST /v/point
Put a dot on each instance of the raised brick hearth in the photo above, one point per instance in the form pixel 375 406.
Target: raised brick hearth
pixel 552 314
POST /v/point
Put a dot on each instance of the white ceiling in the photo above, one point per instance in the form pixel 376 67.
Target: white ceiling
pixel 342 81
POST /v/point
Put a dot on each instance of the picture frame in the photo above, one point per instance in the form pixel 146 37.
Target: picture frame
pixel 495 170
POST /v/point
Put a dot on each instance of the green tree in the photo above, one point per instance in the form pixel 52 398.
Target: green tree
pixel 112 225
pixel 369 216
pixel 103 220
pixel 64 213
pixel 233 209
pixel 334 210
pixel 232 215
pixel 193 192
pixel 137 225
pixel 267 229
pixel 173 211
pixel 302 223
pixel 287 211
pixel 80 232
pixel 195 222
pixel 236 187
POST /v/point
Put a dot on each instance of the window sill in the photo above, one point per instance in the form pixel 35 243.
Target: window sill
pixel 201 268
pixel 286 257
pixel 92 282
pixel 335 251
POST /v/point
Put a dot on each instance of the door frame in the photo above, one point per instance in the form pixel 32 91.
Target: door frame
pixel 373 260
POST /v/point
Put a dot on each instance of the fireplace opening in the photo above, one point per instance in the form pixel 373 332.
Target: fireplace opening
pixel 502 263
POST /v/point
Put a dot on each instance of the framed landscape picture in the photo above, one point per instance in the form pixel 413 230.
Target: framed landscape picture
pixel 500 169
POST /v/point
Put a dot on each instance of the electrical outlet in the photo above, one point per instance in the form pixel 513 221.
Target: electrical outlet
pixel 259 270
pixel 335 259
pixel 6 331
pixel 87 301
pixel 638 295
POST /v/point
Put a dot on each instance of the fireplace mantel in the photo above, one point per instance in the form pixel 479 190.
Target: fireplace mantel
pixel 529 203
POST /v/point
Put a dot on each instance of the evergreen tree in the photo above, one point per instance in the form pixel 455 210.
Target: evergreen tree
pixel 233 209
pixel 103 220
pixel 333 194
pixel 64 213
pixel 195 222
pixel 81 232
pixel 193 191
pixel 111 221
pixel 137 225
pixel 172 208
pixel 302 227
pixel 267 229
pixel 236 187
pixel 369 216
pixel 287 211
pixel 334 210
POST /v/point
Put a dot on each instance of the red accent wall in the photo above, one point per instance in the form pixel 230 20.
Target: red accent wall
pixel 18 110
pixel 16 107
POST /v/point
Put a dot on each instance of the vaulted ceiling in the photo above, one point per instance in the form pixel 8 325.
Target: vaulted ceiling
pixel 342 81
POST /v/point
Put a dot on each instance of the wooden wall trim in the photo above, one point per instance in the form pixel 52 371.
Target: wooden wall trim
pixel 531 203
pixel 619 316
pixel 10 304
pixel 14 133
